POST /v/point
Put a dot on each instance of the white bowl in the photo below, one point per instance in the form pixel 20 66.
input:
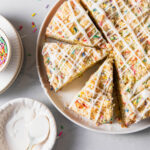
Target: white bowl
pixel 7 110
pixel 2 34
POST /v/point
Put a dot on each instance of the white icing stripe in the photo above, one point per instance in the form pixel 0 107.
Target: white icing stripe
pixel 144 94
pixel 145 110
pixel 126 62
pixel 99 111
pixel 87 26
pixel 138 83
pixel 100 43
pixel 122 73
pixel 77 61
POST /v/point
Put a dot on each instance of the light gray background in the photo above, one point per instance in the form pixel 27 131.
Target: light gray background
pixel 19 12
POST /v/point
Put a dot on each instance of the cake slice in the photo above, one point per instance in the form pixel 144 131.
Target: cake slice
pixel 71 23
pixel 131 45
pixel 65 62
pixel 95 101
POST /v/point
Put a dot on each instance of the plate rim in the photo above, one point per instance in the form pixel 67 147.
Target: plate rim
pixel 54 8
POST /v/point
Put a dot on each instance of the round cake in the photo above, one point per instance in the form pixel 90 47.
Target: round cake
pixel 115 32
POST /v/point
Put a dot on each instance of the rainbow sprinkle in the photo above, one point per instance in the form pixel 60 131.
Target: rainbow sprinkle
pixel 60 133
pixel 3 51
pixel 20 28
pixel 33 25
pixel 47 6
pixel 35 29
pixel 62 127
pixel 29 54
pixel 34 14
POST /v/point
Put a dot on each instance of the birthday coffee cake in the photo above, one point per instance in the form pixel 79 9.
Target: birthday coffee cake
pixel 117 27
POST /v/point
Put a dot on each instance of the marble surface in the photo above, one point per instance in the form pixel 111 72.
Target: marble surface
pixel 19 12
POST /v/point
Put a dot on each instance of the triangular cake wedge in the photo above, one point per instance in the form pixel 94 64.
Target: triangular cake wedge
pixel 65 62
pixel 95 101
pixel 71 23
pixel 131 44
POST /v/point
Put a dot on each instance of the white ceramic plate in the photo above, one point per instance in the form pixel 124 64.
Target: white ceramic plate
pixel 64 97
pixel 8 76
pixel 8 108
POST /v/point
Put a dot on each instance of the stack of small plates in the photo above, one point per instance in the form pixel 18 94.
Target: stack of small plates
pixel 8 76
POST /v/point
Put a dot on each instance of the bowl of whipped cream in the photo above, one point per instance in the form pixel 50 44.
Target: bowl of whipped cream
pixel 26 124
